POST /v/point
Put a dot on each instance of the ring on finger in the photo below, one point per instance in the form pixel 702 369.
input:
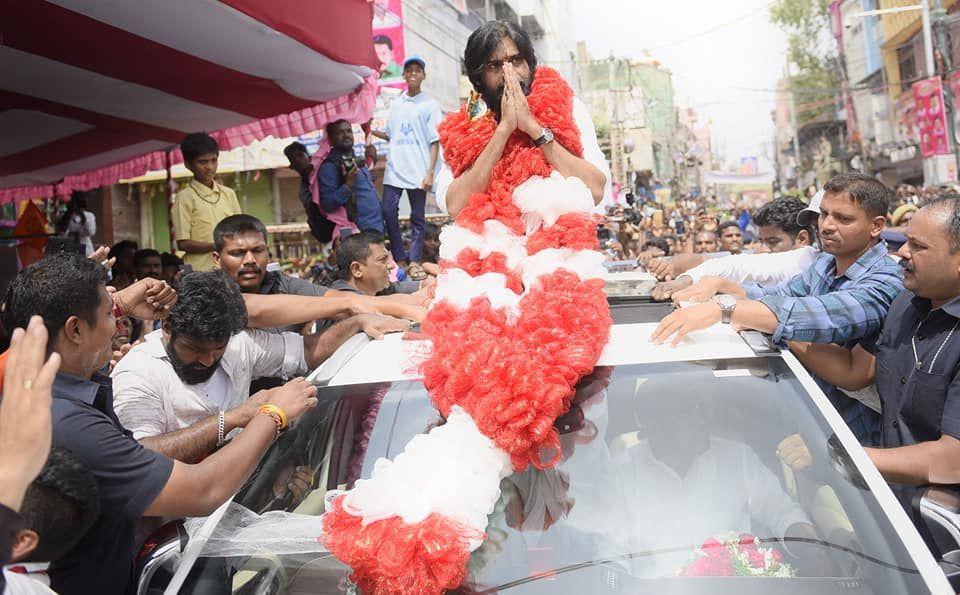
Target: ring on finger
pixel 28 384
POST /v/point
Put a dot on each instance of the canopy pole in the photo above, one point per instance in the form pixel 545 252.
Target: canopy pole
pixel 167 162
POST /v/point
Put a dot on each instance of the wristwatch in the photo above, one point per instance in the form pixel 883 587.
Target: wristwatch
pixel 546 136
pixel 727 304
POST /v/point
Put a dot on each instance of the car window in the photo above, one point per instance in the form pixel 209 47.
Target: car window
pixel 672 476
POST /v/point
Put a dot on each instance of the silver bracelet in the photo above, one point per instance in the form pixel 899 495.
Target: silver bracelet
pixel 220 429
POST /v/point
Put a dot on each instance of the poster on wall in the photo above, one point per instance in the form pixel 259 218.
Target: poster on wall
pixel 931 117
pixel 954 81
pixel 388 41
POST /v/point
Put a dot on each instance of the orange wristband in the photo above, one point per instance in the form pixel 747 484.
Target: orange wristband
pixel 272 409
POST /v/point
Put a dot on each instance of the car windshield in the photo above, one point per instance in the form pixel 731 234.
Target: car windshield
pixel 676 477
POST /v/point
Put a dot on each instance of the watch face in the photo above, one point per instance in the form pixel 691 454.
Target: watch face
pixel 725 301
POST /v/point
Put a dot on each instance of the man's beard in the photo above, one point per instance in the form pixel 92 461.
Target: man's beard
pixel 190 373
pixel 494 97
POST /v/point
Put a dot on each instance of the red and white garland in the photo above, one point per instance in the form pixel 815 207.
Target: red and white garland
pixel 520 316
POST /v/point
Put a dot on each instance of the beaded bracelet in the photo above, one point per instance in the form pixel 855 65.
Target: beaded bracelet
pixel 278 416
pixel 273 409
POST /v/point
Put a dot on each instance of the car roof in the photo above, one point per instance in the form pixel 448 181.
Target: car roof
pixel 397 357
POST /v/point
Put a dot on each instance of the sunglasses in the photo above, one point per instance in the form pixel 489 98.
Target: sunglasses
pixel 493 66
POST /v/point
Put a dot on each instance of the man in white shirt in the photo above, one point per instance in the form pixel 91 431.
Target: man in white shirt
pixel 789 250
pixel 184 389
pixel 685 487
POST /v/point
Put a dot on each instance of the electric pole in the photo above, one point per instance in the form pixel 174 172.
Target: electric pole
pixel 616 130
pixel 793 123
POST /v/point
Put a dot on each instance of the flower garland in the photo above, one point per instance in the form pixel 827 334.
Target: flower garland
pixel 519 317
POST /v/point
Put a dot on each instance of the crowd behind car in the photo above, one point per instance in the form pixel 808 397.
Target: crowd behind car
pixel 137 386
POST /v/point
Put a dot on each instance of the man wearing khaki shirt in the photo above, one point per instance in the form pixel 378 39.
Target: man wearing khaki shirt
pixel 202 203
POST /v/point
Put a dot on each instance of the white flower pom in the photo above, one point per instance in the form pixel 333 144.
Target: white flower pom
pixel 496 237
pixel 454 470
pixel 543 200
pixel 459 288
pixel 587 264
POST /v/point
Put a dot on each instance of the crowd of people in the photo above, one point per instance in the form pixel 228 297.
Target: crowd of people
pixel 862 284
pixel 129 374
pixel 145 386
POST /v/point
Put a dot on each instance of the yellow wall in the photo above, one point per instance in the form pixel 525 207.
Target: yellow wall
pixel 898 28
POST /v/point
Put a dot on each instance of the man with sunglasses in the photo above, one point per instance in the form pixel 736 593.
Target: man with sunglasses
pixel 502 66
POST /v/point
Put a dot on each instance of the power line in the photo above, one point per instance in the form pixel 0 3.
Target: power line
pixel 712 29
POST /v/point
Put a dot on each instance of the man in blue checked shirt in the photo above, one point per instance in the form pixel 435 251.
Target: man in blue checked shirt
pixel 842 298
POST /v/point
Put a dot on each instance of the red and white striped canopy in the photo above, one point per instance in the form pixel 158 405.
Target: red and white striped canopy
pixel 93 91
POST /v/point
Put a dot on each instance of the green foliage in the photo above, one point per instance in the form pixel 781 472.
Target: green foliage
pixel 813 51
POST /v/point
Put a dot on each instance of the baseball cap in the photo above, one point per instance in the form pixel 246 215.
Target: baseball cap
pixel 414 59
pixel 811 214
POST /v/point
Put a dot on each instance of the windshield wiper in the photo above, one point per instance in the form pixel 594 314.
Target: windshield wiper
pixel 647 553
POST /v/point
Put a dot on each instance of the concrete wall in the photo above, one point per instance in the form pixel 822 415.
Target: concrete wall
pixel 432 30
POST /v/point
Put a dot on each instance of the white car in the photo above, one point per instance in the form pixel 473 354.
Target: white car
pixel 664 449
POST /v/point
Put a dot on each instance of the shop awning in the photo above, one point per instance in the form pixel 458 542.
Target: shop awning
pixel 94 91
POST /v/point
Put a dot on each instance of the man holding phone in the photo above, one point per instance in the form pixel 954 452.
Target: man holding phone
pixel 346 182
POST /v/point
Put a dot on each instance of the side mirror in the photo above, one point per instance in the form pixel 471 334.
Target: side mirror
pixel 939 524
pixel 161 550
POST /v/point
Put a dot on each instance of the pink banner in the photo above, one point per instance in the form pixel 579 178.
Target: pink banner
pixel 931 118
pixel 388 41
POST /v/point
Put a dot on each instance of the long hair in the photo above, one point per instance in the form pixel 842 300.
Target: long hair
pixel 484 41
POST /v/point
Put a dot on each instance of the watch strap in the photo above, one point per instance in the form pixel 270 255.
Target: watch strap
pixel 726 314
pixel 546 135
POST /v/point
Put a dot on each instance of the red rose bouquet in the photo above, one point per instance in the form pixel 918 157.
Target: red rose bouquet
pixel 736 555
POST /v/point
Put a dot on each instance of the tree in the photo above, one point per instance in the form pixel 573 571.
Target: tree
pixel 811 48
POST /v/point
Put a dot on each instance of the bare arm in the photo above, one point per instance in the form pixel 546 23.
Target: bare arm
pixel 434 153
pixel 708 287
pixel 380 134
pixel 197 490
pixel 317 348
pixel 850 369
pixel 750 314
pixel 266 311
pixel 193 443
pixel 195 247
pixel 477 177
pixel 189 444
pixel 936 461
